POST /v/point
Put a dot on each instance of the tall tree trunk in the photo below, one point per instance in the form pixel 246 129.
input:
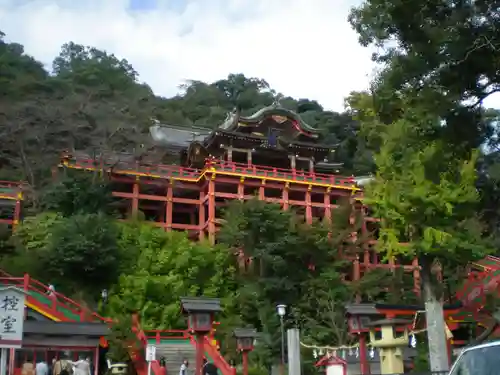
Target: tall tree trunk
pixel 436 334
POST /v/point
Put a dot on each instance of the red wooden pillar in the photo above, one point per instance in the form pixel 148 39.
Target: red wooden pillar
pixel 135 198
pixel 200 351
pixel 169 207
pixel 308 205
pixel 285 196
pixel 201 216
pixel 241 189
pixel 363 359
pixel 17 211
pixel 96 361
pixel 211 209
pixel 262 191
pixel 244 356
pixel 327 204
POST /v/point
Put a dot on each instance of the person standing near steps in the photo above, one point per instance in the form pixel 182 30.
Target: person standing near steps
pixel 184 367
pixel 63 366
pixel 41 367
pixel 209 368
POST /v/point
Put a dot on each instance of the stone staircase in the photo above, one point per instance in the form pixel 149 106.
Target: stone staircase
pixel 175 351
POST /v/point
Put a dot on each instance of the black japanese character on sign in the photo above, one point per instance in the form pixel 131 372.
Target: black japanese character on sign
pixel 8 324
pixel 10 303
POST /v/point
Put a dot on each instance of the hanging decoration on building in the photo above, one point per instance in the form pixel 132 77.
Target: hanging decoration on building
pixel 353 350
pixel 371 353
pixel 413 341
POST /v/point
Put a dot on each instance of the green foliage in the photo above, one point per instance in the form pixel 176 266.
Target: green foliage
pixel 254 370
pixel 32 239
pixel 77 193
pixel 442 60
pixel 121 339
pixel 294 264
pixel 444 56
pixel 79 253
pixel 84 249
pixel 170 266
pixel 426 198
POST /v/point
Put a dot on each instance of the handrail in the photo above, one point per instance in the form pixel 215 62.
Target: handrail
pixel 282 170
pixel 158 334
pixel 293 174
pixel 139 359
pixel 56 299
pixel 14 184
pixel 219 361
pixel 194 173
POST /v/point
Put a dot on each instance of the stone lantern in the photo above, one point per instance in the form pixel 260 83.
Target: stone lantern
pixel 390 343
pixel 118 369
pixel 200 312
pixel 245 339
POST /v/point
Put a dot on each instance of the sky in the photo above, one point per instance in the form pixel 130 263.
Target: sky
pixel 303 48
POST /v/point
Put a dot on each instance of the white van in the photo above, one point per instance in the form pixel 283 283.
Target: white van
pixel 481 359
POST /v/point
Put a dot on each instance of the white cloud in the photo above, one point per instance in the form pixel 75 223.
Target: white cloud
pixel 303 48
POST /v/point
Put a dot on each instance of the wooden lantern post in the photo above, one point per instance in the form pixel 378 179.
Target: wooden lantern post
pixel 200 312
pixel 245 339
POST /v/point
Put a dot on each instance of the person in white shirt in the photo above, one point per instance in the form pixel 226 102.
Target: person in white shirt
pixel 82 366
pixel 184 367
pixel 52 290
pixel 42 368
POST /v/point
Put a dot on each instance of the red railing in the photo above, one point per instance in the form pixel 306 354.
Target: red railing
pixel 161 169
pixel 159 335
pixel 219 361
pixel 10 189
pixel 138 355
pixel 479 284
pixel 212 352
pixel 167 171
pixel 10 184
pixel 57 300
pixel 292 174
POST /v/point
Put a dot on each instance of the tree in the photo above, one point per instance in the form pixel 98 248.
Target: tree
pixel 287 261
pixel 446 54
pixel 31 240
pixel 83 252
pixel 427 201
pixel 77 193
pixel 76 253
pixel 169 266
pixel 241 91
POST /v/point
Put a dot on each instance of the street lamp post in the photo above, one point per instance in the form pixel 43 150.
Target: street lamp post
pixel 245 338
pixel 281 310
pixel 200 312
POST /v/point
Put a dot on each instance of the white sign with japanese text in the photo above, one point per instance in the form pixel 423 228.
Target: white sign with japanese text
pixel 11 317
pixel 150 353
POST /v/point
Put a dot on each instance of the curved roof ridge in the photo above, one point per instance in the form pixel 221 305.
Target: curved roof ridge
pixel 234 117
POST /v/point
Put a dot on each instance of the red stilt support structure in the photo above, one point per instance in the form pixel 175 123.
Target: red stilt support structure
pixel 363 358
pixel 200 338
